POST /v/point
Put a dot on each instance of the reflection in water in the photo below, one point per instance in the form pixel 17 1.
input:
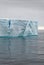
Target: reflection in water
pixel 18 48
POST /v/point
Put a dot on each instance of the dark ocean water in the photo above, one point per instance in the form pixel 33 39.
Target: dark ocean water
pixel 22 49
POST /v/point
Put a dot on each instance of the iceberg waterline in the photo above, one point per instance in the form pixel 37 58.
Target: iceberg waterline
pixel 18 27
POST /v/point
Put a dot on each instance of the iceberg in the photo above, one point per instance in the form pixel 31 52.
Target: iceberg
pixel 18 27
pixel 31 28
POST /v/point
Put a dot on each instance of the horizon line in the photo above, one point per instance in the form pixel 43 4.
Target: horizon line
pixel 40 27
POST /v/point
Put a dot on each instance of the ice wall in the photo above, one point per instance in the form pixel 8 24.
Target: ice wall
pixel 18 27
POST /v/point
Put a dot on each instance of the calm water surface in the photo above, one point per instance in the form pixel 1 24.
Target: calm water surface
pixel 22 48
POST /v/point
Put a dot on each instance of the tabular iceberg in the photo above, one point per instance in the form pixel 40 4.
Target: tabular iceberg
pixel 18 27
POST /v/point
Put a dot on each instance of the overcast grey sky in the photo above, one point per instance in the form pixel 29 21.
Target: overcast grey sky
pixel 23 9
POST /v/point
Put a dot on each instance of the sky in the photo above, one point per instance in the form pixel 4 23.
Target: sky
pixel 23 9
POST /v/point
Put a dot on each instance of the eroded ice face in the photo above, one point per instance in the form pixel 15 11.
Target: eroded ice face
pixel 31 28
pixel 4 27
pixel 17 27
